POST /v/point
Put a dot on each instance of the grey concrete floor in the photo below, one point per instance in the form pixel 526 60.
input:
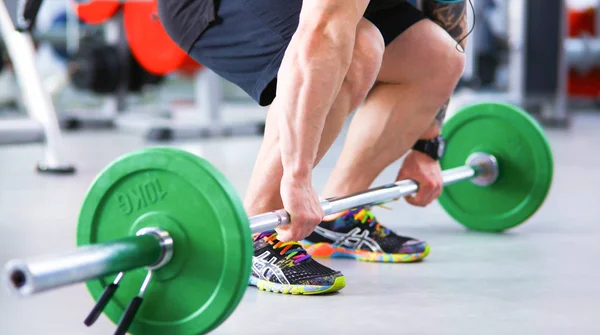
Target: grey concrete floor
pixel 540 278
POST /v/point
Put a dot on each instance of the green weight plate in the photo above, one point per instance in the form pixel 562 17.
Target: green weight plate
pixel 186 196
pixel 525 166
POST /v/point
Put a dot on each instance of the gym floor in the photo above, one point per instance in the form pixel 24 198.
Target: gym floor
pixel 540 278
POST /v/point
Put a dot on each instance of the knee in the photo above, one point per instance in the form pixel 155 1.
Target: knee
pixel 446 70
pixel 454 70
pixel 366 61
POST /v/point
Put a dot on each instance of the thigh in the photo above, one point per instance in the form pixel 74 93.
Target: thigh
pixel 247 42
pixel 412 41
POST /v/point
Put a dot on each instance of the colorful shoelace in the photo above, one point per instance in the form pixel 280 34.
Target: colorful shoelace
pixel 364 216
pixel 291 249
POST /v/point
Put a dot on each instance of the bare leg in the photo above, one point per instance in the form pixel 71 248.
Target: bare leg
pixel 415 79
pixel 263 192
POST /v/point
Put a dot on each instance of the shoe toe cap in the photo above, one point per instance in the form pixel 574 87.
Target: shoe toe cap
pixel 327 280
pixel 412 247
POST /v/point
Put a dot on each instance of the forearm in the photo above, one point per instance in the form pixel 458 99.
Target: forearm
pixel 310 78
pixel 435 129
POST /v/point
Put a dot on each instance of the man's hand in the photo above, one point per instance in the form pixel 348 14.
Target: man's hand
pixel 427 173
pixel 302 203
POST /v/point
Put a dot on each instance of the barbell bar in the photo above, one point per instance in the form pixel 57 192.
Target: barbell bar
pixel 169 215
pixel 147 249
pixel 480 167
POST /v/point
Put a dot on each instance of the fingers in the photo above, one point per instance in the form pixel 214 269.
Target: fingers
pixel 301 224
pixel 429 191
pixel 301 202
pixel 284 234
pixel 296 231
pixel 291 232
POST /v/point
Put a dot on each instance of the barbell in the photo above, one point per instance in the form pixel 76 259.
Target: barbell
pixel 165 226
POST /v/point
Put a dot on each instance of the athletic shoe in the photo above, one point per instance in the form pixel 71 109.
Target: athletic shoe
pixel 357 234
pixel 287 268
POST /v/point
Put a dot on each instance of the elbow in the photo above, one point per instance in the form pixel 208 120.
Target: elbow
pixel 327 39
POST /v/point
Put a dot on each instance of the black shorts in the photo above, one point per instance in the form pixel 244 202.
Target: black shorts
pixel 247 42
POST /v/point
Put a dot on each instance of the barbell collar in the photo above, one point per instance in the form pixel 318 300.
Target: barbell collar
pixel 486 167
pixel 165 242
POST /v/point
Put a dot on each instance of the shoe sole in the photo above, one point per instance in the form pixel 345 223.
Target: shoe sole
pixel 338 284
pixel 326 250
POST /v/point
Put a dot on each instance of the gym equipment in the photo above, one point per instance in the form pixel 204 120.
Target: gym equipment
pixel 96 69
pixel 524 157
pixel 59 24
pixel 148 40
pixel 534 72
pixel 150 217
pixel 582 45
pixel 210 222
pixel 28 11
pixel 158 55
pixel 57 36
pixel 38 103
pixel 106 67
pixel 95 11
pixel 3 58
pixel 207 123
pixel 64 40
pixel 583 53
pixel 99 68
pixel 582 48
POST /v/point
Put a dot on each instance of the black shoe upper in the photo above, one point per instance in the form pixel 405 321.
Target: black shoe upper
pixel 359 229
pixel 288 264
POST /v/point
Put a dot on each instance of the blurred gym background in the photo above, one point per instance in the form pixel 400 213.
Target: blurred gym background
pixel 97 66
pixel 81 85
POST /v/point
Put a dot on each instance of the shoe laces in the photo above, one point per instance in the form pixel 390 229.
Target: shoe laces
pixel 365 216
pixel 292 250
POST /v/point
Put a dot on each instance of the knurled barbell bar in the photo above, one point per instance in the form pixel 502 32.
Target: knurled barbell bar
pixel 150 216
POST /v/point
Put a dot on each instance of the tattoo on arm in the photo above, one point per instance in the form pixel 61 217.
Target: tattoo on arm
pixel 441 115
pixel 452 17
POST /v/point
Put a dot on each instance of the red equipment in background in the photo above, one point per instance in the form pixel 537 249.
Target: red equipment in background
pixel 585 85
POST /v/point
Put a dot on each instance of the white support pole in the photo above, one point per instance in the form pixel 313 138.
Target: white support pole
pixel 37 101
pixel 209 97
pixel 517 32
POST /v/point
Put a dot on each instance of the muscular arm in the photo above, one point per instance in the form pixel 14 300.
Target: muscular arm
pixel 310 77
pixel 452 17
